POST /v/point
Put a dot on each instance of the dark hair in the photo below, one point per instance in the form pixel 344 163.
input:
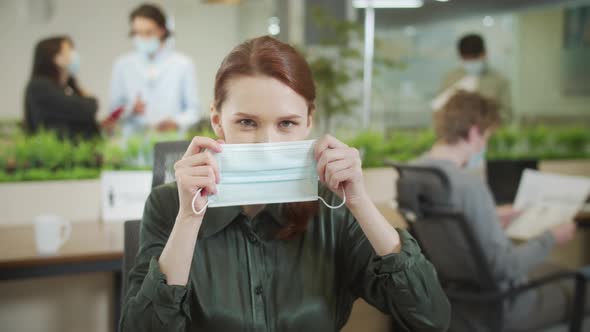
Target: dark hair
pixel 471 45
pixel 44 61
pixel 153 13
pixel 461 112
pixel 266 56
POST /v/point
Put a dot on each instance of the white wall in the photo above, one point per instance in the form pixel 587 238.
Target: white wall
pixel 100 31
pixel 538 88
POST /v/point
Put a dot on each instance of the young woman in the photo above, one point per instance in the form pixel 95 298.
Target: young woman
pixel 277 267
pixel 53 98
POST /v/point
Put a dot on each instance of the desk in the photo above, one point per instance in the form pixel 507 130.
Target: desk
pixel 92 247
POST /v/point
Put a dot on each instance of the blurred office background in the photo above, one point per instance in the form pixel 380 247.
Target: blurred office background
pixel 542 47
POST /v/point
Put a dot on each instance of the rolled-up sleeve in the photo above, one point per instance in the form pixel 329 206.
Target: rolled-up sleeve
pixel 404 285
pixel 150 303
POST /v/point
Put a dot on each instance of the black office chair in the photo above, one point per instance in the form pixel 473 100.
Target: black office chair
pixel 449 242
pixel 165 155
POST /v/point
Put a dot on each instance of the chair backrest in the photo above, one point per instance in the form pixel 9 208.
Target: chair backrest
pixel 130 248
pixel 446 238
pixel 165 155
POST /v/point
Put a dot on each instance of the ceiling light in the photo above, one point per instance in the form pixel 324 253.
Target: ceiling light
pixel 488 21
pixel 274 27
pixel 388 3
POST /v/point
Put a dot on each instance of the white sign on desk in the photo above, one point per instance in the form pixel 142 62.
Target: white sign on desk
pixel 123 194
pixel 546 200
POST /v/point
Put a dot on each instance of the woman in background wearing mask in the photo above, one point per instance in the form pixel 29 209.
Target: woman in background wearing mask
pixel 53 98
pixel 250 266
pixel 153 87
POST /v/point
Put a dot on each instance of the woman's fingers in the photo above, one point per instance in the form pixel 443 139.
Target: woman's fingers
pixel 327 142
pixel 332 155
pixel 199 143
pixel 200 159
pixel 205 170
pixel 191 183
pixel 335 167
pixel 341 176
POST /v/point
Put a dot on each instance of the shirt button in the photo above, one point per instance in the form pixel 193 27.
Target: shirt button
pixel 258 290
pixel 252 238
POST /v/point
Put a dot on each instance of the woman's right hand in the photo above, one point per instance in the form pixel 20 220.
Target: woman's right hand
pixel 197 170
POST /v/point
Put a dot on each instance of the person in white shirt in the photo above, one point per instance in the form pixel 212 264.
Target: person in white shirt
pixel 153 87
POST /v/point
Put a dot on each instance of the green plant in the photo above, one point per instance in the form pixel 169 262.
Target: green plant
pixel 112 155
pixel 44 157
pixel 85 154
pixel 539 142
pixel 336 63
pixel 372 147
pixel 207 132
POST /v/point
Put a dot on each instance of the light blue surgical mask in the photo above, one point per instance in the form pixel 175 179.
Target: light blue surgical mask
pixel 477 160
pixel 265 173
pixel 146 46
pixel 74 65
pixel 474 67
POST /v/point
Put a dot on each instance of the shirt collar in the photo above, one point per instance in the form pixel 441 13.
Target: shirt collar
pixel 217 219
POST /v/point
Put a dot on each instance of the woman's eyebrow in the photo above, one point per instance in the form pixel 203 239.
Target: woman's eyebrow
pixel 291 117
pixel 246 115
pixel 255 117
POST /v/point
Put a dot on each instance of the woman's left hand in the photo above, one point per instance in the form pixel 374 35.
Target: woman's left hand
pixel 339 167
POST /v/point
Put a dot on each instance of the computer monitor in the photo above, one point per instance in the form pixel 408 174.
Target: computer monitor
pixel 503 177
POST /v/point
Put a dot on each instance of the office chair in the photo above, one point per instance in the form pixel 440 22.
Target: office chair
pixel 449 242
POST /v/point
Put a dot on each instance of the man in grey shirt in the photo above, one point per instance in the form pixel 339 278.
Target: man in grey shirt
pixel 463 127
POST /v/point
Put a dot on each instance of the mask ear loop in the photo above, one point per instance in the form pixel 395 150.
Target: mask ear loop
pixel 335 207
pixel 320 198
pixel 195 200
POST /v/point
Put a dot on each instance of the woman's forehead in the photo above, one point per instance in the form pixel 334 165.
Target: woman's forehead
pixel 262 96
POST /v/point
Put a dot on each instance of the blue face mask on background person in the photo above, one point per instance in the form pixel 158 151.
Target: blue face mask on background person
pixel 74 65
pixel 474 67
pixel 477 160
pixel 146 46
pixel 265 173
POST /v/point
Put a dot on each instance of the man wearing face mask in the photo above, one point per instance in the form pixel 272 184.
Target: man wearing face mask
pixel 463 127
pixel 153 88
pixel 476 75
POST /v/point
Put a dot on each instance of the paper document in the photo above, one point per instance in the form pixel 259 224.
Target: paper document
pixel 468 83
pixel 546 200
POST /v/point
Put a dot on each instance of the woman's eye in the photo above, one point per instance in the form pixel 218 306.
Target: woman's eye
pixel 247 123
pixel 287 124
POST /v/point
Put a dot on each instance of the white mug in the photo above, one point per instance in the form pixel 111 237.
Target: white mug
pixel 51 232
